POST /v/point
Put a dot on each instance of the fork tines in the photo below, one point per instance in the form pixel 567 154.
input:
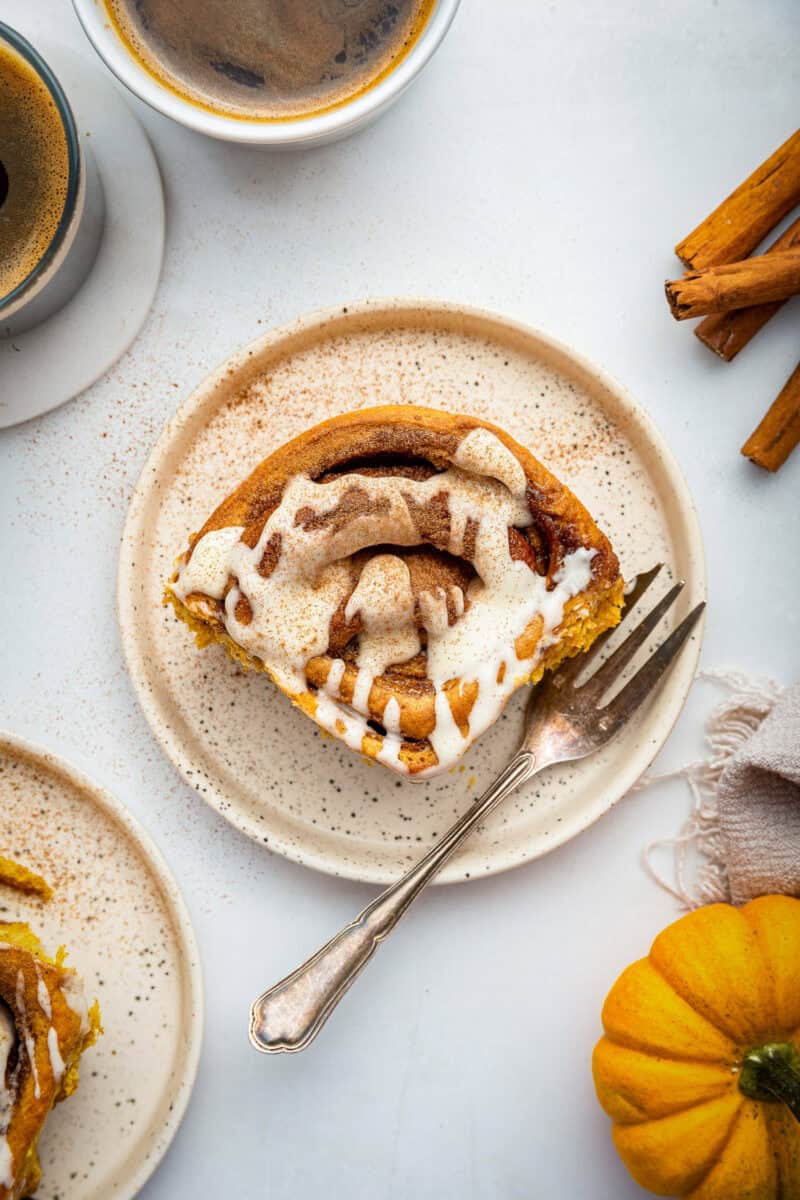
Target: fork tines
pixel 617 711
pixel 620 707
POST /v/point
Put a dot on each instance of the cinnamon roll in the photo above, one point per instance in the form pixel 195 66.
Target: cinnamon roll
pixel 399 572
pixel 44 1028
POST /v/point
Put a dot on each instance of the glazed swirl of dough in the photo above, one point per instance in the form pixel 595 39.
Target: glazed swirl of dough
pixel 397 603
pixel 44 1027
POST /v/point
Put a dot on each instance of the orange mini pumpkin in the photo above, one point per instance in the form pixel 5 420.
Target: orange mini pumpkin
pixel 699 1068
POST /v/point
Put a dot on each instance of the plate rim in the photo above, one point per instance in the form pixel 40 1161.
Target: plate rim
pixel 245 360
pixel 189 949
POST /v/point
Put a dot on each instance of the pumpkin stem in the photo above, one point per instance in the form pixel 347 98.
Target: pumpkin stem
pixel 772 1072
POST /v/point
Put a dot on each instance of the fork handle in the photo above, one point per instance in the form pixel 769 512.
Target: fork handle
pixel 289 1015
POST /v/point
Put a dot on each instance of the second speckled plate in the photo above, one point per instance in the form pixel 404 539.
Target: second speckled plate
pixel 234 737
pixel 118 912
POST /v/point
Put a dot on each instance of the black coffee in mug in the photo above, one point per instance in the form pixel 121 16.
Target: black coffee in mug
pixel 34 168
pixel 269 59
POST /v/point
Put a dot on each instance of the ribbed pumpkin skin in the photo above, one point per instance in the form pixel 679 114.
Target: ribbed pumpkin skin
pixel 717 983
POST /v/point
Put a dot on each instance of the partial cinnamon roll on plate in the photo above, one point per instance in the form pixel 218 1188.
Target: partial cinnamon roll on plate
pixel 399 572
pixel 45 1027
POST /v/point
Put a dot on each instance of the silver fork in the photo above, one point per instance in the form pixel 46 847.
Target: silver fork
pixel 563 721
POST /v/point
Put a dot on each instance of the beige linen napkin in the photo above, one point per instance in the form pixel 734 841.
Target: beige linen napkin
pixel 758 802
pixel 743 836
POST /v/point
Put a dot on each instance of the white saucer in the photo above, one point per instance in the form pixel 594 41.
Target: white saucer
pixel 46 366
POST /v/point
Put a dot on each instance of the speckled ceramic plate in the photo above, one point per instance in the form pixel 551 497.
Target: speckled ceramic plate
pixel 117 910
pixel 234 737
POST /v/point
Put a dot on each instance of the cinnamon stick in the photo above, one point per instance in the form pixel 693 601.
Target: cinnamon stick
pixel 735 285
pixel 735 227
pixel 729 332
pixel 779 432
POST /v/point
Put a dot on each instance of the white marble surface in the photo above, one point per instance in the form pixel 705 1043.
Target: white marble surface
pixel 543 166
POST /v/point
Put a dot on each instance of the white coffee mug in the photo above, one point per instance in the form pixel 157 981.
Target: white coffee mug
pixel 297 132
pixel 66 262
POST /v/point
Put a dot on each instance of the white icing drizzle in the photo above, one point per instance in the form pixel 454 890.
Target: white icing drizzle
pixel 498 671
pixel 333 682
pixel 391 715
pixel 56 1061
pixel 389 752
pixel 6 1163
pixel 210 565
pixel 27 1037
pixel 45 1004
pixel 340 721
pixel 72 990
pixel 292 608
pixel 433 609
pixel 384 599
pixel 483 453
pixel 43 995
pixel 8 1037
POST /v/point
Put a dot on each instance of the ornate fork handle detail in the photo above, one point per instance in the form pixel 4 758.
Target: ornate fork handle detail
pixel 290 1015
